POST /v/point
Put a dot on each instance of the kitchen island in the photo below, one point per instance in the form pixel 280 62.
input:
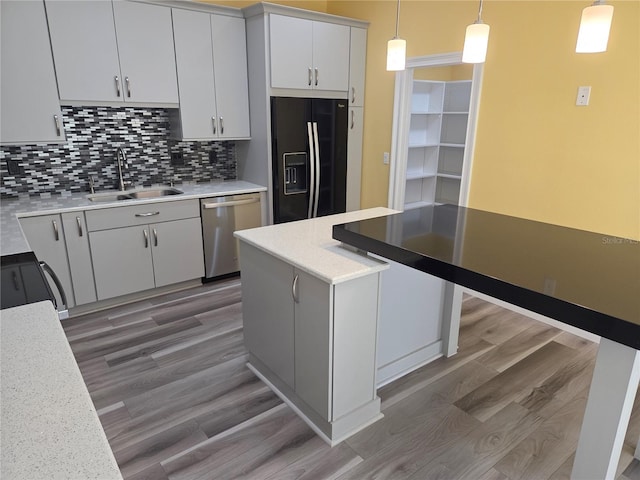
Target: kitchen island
pixel 50 428
pixel 584 279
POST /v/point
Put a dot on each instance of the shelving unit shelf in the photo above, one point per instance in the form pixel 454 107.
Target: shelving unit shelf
pixel 437 133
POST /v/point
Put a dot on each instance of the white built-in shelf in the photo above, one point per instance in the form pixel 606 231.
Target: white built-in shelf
pixel 437 134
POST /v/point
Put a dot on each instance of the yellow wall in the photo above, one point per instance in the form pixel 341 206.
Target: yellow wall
pixel 317 5
pixel 537 155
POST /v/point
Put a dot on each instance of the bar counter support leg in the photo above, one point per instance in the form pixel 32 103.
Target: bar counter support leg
pixel 611 395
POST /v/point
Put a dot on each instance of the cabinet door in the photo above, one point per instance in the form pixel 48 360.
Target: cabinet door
pixel 313 334
pixel 357 66
pixel 330 56
pixel 45 235
pixel 85 52
pixel 267 310
pixel 291 52
pixel 146 51
pixel 231 81
pixel 80 266
pixel 29 97
pixel 354 158
pixel 121 261
pixel 194 59
pixel 177 251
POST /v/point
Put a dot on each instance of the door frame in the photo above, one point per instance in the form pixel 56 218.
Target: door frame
pixel 402 118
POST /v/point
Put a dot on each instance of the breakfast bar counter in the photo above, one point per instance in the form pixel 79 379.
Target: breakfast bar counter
pixel 587 280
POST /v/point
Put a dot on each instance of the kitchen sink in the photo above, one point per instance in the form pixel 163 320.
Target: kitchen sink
pixel 140 193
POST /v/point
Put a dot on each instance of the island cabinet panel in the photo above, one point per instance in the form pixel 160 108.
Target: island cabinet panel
pixel 29 105
pixel 313 341
pixel 113 52
pixel 268 311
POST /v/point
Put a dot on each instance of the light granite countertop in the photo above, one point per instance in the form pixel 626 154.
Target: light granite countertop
pixel 50 428
pixel 12 239
pixel 308 245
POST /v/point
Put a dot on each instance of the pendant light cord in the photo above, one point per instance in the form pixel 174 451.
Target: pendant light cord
pixel 397 18
pixel 480 12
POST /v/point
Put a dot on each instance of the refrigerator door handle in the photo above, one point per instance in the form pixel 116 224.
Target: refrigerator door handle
pixel 312 166
pixel 317 186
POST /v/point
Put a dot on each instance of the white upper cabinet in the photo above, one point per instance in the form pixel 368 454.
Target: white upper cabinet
pixel 308 54
pixel 107 52
pixel 357 67
pixel 29 107
pixel 212 76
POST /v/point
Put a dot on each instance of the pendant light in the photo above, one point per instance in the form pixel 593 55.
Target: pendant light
pixel 595 24
pixel 476 40
pixel 396 48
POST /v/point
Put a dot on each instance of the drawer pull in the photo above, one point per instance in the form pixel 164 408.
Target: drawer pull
pixel 56 232
pixel 294 289
pixel 147 214
pixel 80 233
pixel 146 238
pixel 155 237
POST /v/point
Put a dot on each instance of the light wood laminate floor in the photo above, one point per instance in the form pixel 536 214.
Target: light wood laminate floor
pixel 176 400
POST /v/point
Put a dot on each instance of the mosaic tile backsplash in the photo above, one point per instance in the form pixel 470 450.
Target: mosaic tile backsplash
pixel 93 135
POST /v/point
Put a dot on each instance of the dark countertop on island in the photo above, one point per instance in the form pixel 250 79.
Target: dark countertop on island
pixel 585 279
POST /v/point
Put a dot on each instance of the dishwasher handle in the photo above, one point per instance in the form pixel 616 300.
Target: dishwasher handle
pixel 231 203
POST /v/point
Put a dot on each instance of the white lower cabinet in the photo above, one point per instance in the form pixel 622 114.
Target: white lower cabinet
pixel 131 254
pixel 315 342
pixel 61 241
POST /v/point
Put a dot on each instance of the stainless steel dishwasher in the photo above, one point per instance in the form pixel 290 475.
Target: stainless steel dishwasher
pixel 221 216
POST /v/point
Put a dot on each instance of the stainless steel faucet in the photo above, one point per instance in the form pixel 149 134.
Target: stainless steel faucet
pixel 121 160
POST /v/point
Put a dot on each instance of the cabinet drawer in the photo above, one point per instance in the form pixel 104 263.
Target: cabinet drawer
pixel 132 215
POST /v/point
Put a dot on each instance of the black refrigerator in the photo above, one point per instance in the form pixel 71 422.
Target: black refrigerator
pixel 309 154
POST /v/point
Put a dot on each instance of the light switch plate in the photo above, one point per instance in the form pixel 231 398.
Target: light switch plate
pixel 583 96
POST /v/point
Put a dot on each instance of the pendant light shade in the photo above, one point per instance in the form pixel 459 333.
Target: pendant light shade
pixel 396 48
pixel 476 40
pixel 396 54
pixel 595 25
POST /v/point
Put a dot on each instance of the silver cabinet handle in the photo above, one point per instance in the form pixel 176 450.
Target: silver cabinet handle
pixel 353 122
pixel 146 238
pixel 317 76
pixel 117 79
pixel 147 214
pixel 221 126
pixel 80 233
pixel 294 289
pixel 56 232
pixel 353 94
pixel 56 119
pixel 310 76
pixel 207 206
pixel 155 237
pixel 128 82
pixel 213 123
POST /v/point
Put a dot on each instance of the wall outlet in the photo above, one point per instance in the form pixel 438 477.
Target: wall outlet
pixel 385 158
pixel 177 158
pixel 583 96
pixel 13 167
